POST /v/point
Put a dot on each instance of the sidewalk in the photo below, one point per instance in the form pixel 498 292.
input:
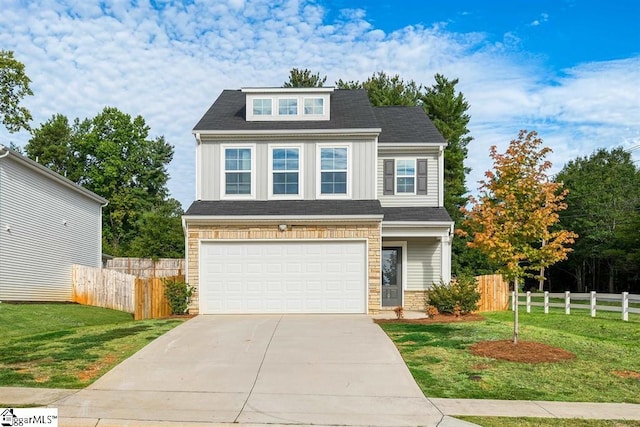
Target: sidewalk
pixel 18 396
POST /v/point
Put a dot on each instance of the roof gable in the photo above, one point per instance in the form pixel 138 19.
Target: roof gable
pixel 38 168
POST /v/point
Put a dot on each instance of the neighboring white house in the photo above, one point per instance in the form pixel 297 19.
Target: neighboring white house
pixel 311 200
pixel 47 224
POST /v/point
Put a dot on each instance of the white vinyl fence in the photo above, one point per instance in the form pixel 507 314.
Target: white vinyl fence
pixel 617 302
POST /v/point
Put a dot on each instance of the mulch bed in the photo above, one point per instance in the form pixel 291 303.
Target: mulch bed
pixel 438 318
pixel 524 351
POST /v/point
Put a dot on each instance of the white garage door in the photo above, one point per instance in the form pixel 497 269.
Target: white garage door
pixel 282 277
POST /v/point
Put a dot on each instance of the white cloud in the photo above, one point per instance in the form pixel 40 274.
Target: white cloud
pixel 168 63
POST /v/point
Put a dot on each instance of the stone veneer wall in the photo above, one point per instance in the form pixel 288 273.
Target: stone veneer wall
pixel 369 231
pixel 415 300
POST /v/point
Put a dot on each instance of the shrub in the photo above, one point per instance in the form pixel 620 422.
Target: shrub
pixel 460 294
pixel 178 293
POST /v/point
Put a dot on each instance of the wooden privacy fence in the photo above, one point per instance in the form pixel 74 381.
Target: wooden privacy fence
pixel 141 296
pixel 149 297
pixel 146 267
pixel 103 288
pixel 494 293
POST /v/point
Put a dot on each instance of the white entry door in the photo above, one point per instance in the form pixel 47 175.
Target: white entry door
pixel 321 276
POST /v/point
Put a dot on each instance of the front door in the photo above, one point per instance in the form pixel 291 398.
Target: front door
pixel 391 277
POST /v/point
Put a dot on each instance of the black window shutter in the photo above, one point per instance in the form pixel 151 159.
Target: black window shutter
pixel 388 174
pixel 421 166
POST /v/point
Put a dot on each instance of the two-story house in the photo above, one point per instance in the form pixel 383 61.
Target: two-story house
pixel 310 200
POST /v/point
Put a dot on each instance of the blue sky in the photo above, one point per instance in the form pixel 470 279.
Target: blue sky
pixel 569 69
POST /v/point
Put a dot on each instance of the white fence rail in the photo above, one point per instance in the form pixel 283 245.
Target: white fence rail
pixel 591 304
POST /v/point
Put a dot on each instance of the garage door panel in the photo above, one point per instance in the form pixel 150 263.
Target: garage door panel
pixel 283 277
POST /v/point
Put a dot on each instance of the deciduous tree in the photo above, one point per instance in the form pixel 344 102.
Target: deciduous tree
pixel 517 210
pixel 604 208
pixel 14 86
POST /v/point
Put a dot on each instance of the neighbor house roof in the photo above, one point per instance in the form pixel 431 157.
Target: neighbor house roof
pixel 37 167
pixel 253 208
pixel 406 124
pixel 350 109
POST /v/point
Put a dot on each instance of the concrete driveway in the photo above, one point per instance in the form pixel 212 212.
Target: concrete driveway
pixel 311 369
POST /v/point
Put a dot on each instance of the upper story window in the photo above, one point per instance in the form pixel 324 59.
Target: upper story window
pixel 334 170
pixel 406 177
pixel 262 107
pixel 288 103
pixel 288 106
pixel 313 106
pixel 238 165
pixel 285 166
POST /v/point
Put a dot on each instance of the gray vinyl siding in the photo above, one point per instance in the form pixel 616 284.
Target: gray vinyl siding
pixel 51 227
pixel 433 174
pixel 362 171
pixel 423 263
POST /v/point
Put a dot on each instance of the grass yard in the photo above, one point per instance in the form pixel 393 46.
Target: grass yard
pixel 606 367
pixel 547 422
pixel 68 345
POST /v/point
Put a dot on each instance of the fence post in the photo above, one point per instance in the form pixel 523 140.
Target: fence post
pixel 546 302
pixel 528 301
pixel 625 306
pixel 567 302
pixel 593 303
pixel 513 300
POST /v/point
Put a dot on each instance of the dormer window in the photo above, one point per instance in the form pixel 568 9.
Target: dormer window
pixel 313 106
pixel 262 107
pixel 288 106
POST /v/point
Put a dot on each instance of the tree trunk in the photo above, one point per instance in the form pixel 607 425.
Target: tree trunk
pixel 541 280
pixel 515 313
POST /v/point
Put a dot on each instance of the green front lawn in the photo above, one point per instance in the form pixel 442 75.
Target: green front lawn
pixel 68 345
pixel 547 422
pixel 606 368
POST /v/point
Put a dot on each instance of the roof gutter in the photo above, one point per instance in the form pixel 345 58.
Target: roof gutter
pixel 296 219
pixel 373 132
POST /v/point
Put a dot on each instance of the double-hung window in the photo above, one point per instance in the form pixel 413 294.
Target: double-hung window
pixel 406 177
pixel 237 171
pixel 334 165
pixel 288 106
pixel 285 175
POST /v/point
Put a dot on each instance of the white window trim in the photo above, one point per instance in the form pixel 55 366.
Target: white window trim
pixel 319 148
pixel 285 98
pixel 261 99
pixel 300 194
pixel 415 176
pixel 304 99
pixel 223 171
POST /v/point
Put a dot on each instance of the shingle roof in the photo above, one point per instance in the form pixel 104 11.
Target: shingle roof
pixel 302 208
pixel 284 207
pixel 350 109
pixel 415 214
pixel 406 124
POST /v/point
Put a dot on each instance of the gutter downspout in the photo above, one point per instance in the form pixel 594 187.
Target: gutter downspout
pixel 5 149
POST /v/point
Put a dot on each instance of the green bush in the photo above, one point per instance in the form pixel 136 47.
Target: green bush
pixel 461 291
pixel 178 293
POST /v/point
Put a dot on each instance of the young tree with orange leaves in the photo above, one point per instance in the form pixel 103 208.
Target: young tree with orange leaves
pixel 513 220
